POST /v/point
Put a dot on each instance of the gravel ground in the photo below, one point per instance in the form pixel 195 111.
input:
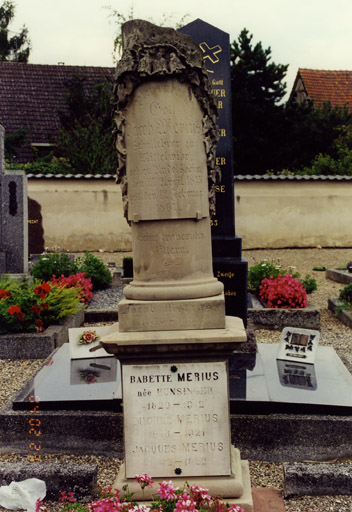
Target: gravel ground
pixel 13 374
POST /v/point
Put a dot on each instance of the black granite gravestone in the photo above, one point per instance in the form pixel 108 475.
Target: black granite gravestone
pixel 13 218
pixel 35 228
pixel 229 267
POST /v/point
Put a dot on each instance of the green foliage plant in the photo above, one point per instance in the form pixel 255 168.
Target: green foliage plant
pixel 50 265
pixel 309 283
pixel 346 294
pixel 53 264
pixel 266 270
pixel 261 271
pixel 95 270
pixel 32 306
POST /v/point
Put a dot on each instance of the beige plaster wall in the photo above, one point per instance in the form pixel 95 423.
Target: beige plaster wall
pixel 81 214
pixel 289 213
pixel 86 214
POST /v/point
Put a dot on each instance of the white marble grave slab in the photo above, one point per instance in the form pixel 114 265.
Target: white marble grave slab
pixel 176 419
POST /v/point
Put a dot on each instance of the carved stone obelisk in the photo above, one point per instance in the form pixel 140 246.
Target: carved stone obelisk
pixel 173 338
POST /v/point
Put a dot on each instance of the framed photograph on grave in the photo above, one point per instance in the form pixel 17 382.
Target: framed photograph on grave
pixel 82 339
pixel 298 345
pixel 297 375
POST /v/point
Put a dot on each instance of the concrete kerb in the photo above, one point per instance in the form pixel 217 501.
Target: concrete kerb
pixel 79 479
pixel 345 316
pixel 301 479
pixel 38 345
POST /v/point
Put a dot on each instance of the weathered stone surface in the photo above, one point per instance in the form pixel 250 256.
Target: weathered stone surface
pixel 176 419
pixel 172 343
pixel 317 479
pixel 230 486
pixel 204 313
pixel 81 480
pixel 272 318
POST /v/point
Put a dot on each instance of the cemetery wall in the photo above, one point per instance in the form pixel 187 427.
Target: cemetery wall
pixel 80 214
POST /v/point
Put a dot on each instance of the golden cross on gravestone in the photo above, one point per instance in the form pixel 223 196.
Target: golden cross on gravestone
pixel 210 53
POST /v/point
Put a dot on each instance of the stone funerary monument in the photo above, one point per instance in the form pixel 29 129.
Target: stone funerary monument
pixel 173 337
pixel 13 218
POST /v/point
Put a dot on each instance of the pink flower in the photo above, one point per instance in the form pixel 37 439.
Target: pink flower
pixel 144 480
pixel 235 508
pixel 199 494
pixel 185 503
pixel 167 490
pixel 89 336
pixel 283 292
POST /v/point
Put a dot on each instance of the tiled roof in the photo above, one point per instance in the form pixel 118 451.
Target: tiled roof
pixel 32 94
pixel 327 86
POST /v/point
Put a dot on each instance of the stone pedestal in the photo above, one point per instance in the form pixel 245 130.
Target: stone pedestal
pixel 173 339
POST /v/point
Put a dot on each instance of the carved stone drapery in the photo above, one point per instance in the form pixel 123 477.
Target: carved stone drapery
pixel 162 53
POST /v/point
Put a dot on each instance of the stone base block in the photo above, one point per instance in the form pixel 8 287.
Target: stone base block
pixel 168 343
pixel 236 488
pixel 171 315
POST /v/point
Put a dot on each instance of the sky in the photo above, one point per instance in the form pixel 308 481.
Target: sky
pixel 302 33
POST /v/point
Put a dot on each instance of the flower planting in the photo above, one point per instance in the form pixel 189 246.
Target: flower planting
pixel 50 265
pixel 79 281
pixel 31 307
pixel 283 292
pixel 168 498
pixel 190 498
pixel 279 288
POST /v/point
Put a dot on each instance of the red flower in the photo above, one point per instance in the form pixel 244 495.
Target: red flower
pixel 4 294
pixel 42 289
pixel 14 309
pixel 45 306
pixel 39 325
pixel 36 309
pixel 19 317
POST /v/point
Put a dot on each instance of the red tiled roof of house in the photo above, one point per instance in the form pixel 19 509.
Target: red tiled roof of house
pixel 32 94
pixel 328 86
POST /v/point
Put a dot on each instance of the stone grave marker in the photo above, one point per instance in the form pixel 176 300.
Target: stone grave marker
pixel 173 339
pixel 229 266
pixel 13 218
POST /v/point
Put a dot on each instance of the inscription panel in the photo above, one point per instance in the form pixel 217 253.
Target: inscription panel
pixel 176 419
pixel 166 163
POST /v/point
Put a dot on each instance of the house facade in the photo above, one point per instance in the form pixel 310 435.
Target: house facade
pixel 31 95
pixel 323 86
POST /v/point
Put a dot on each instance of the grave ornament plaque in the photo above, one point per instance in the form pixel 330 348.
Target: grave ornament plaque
pixel 173 339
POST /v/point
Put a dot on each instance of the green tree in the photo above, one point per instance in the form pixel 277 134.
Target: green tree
pixel 14 48
pixel 86 139
pixel 257 89
pixel 307 131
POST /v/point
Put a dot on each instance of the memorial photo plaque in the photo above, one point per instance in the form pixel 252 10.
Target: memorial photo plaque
pixel 176 419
